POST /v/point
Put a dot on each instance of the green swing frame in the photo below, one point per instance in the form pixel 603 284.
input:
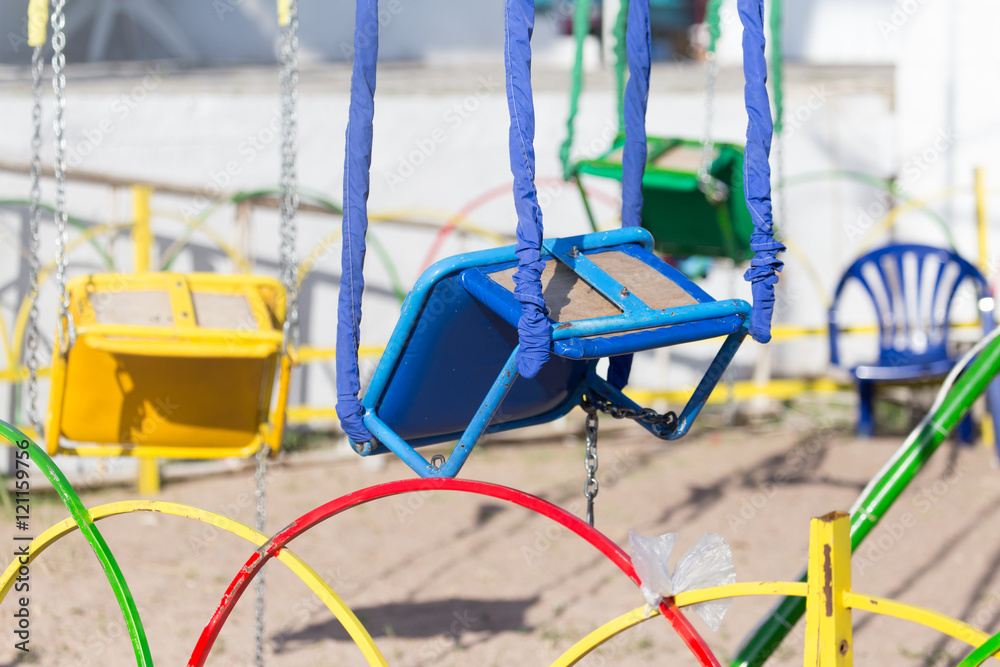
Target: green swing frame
pixel 683 218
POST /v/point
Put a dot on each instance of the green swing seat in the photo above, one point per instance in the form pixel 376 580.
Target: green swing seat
pixel 676 211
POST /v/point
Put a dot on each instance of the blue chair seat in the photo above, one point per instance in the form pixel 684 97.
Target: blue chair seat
pixel 908 373
pixel 448 372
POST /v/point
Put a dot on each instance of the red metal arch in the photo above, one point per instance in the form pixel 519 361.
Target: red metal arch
pixel 281 539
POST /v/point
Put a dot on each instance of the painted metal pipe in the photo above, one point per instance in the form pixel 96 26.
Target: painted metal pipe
pixel 477 426
pixel 598 540
pixel 983 653
pixel 136 632
pixel 882 493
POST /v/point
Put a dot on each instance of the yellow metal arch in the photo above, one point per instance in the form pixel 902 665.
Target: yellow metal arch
pixel 936 621
pixel 458 221
pixel 908 612
pixel 309 576
pixel 890 219
pixel 7 352
pixel 234 255
pixel 612 628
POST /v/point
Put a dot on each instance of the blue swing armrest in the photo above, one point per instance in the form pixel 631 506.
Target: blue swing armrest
pixel 647 339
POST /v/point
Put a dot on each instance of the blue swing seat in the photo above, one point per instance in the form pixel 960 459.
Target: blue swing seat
pixel 449 371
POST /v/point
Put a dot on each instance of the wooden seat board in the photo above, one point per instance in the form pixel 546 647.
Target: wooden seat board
pixel 570 298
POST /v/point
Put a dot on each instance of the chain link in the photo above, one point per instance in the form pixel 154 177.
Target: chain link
pixel 260 587
pixel 714 189
pixel 289 197
pixel 67 334
pixel 664 423
pixel 34 218
pixel 288 204
pixel 591 486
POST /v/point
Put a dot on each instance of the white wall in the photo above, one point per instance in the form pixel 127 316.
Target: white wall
pixel 189 129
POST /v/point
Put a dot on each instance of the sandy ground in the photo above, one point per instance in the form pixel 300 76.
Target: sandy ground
pixel 452 579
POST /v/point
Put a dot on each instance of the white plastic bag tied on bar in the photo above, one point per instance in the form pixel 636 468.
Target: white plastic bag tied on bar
pixel 708 563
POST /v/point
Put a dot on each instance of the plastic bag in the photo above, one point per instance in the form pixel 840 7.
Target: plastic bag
pixel 708 563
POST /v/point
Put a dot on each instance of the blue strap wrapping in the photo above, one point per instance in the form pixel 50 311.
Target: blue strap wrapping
pixel 534 329
pixel 765 265
pixel 638 43
pixel 638 47
pixel 357 177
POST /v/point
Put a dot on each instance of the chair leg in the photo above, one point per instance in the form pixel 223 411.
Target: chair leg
pixel 993 405
pixel 866 417
pixel 966 430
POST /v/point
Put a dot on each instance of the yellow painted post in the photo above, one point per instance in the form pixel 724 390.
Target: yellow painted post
pixel 890 218
pixel 148 482
pixel 141 235
pixel 829 641
pixel 38 19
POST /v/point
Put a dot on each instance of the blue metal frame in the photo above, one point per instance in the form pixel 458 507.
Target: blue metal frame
pixel 644 328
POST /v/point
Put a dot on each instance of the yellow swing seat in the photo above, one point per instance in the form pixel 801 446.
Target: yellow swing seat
pixel 170 365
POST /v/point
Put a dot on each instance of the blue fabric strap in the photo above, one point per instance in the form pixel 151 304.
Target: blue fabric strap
pixel 357 177
pixel 534 329
pixel 765 265
pixel 638 45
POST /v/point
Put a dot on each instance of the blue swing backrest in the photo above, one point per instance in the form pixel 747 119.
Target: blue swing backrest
pixel 912 288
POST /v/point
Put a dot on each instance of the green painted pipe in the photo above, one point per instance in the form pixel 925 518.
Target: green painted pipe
pixel 876 500
pixel 621 63
pixel 397 284
pixel 75 222
pixel 714 25
pixel 777 67
pixel 983 653
pixel 136 632
pixel 581 28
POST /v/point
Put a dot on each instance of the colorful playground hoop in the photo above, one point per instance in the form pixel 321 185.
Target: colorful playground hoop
pixel 309 520
pixel 84 519
pixel 322 590
pixel 829 599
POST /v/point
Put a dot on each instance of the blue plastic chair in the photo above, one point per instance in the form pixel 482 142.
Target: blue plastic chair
pixel 449 371
pixel 912 288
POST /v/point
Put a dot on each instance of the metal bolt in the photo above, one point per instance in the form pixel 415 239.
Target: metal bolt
pixel 574 252
pixel 624 293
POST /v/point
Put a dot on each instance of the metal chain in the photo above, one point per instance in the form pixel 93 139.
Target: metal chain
pixel 58 20
pixel 591 486
pixel 289 197
pixel 34 218
pixel 713 188
pixel 288 204
pixel 645 415
pixel 260 587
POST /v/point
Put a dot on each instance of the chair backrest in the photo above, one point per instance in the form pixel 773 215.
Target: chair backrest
pixel 912 288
